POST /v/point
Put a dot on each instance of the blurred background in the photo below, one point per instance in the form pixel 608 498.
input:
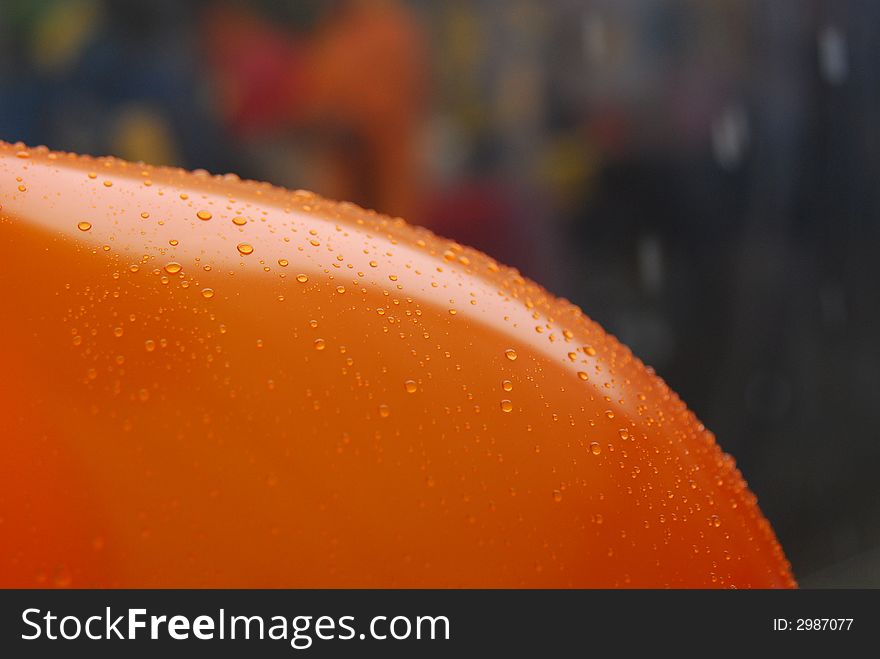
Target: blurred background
pixel 702 178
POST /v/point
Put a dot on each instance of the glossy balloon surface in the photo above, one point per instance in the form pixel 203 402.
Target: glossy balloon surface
pixel 211 382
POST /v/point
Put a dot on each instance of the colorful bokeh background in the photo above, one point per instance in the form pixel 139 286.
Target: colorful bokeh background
pixel 702 178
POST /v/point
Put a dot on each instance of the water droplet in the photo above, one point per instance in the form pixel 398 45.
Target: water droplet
pixel 117 332
pixel 583 376
pixel 609 414
pixel 204 215
pixel 320 344
pixel 507 385
pixel 411 386
pixel 715 521
pixel 207 293
pixel 77 340
pixel 510 353
pixel 144 395
pixel 84 226
pixel 108 184
pixel 557 496
pixel 239 221
pixel 590 350
pixel 384 411
pixel 149 345
pixel 22 188
pixel 259 343
pixel 173 243
pixel 340 289
pixel 595 448
pixel 245 248
pixel 302 279
pixel 624 433
pixel 173 268
pixel 283 262
pixel 506 406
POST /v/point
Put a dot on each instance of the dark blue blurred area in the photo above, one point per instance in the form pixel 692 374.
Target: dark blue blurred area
pixel 702 178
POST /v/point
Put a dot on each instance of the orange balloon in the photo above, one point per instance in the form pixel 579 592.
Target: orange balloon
pixel 211 382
